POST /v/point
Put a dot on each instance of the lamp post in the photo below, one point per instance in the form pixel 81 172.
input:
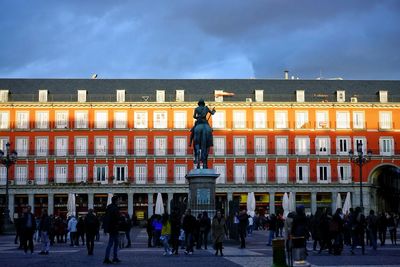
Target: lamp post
pixel 360 159
pixel 7 159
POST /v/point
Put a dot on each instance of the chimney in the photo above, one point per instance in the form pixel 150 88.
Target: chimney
pixel 286 75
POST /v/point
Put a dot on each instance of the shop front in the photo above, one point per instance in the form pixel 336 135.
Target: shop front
pixel 324 200
pixel 81 201
pixel 40 202
pixel 140 204
pixel 123 203
pixel 100 204
pixel 60 205
pixel 20 202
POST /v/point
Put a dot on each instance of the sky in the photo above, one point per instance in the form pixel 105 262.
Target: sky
pixel 187 39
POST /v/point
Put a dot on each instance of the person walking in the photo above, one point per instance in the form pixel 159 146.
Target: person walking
pixel 272 224
pixel 205 226
pixel 165 234
pixel 392 227
pixel 218 231
pixel 44 229
pixel 372 228
pixel 72 229
pixel 300 226
pixel 28 229
pixel 80 231
pixel 18 230
pixel 175 231
pixel 358 230
pixel 150 231
pixel 382 228
pixel 188 225
pixel 336 231
pixel 111 226
pixel 243 223
pixel 92 224
pixel 128 227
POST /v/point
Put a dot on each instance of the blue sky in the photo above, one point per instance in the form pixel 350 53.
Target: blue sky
pixel 352 39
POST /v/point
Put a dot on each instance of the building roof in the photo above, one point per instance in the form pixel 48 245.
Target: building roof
pixel 104 90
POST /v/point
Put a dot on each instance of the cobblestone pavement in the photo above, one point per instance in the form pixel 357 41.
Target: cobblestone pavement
pixel 256 254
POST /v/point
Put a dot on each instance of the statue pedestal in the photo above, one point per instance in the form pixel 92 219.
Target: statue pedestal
pixel 202 191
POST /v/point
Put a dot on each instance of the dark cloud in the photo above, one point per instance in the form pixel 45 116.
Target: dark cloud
pixel 200 39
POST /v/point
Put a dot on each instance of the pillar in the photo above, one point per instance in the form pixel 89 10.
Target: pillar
pixel 334 198
pixel 150 205
pixel 130 204
pixel 170 197
pixel 11 206
pixel 272 203
pixel 31 202
pixel 90 197
pixel 50 203
pixel 313 202
pixel 229 198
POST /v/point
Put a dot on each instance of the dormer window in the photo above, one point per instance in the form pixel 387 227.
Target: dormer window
pixel 4 95
pixel 82 96
pixel 219 97
pixel 340 96
pixel 180 95
pixel 383 96
pixel 160 95
pixel 300 97
pixel 120 95
pixel 259 95
pixel 43 95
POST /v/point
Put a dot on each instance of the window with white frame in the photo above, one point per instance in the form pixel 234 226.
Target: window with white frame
pixel 300 96
pixel 101 144
pixel 60 174
pixel 282 173
pixel 22 118
pixel 120 95
pixel 344 173
pixel 385 120
pixel 100 173
pixel 239 145
pixel 180 119
pixel 386 147
pixel 120 173
pixel 219 145
pixel 180 95
pixel 322 119
pixel 141 120
pixel 281 145
pixel 301 119
pixel 42 119
pixel 180 173
pixel 3 175
pixel 160 174
pixel 120 119
pixel 302 144
pixel 221 169
pixel 260 173
pixel 302 173
pixel 160 146
pixel 21 147
pixel 101 119
pixel 281 119
pixel 82 96
pixel 120 145
pixel 362 141
pixel 323 173
pixel 3 143
pixel 239 173
pixel 342 119
pixel 180 144
pixel 260 145
pixel 81 119
pixel 358 120
pixel 160 95
pixel 81 146
pixel 140 146
pixel 43 95
pixel 41 174
pixel 81 174
pixel 322 145
pixel 61 119
pixel 218 120
pixel 239 119
pixel 4 95
pixel 160 119
pixel 141 173
pixel 61 146
pixel 260 120
pixel 219 95
pixel 21 174
pixel 42 146
pixel 343 145
pixel 4 120
pixel 259 95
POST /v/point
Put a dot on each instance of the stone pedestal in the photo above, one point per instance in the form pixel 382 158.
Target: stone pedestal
pixel 202 191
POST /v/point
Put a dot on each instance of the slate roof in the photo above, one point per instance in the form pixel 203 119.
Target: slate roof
pixel 103 90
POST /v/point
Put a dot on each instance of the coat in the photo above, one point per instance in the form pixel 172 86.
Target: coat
pixel 218 230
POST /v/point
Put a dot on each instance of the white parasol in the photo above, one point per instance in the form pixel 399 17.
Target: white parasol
pixel 251 204
pixel 109 198
pixel 338 202
pixel 71 206
pixel 347 204
pixel 285 205
pixel 159 205
pixel 292 202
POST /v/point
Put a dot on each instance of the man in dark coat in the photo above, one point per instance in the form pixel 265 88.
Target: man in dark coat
pixel 189 225
pixel 44 229
pixel 111 226
pixel 92 225
pixel 205 226
pixel 175 231
pixel 243 222
pixel 28 229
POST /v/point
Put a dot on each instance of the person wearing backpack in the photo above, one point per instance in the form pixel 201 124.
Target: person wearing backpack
pixel 91 224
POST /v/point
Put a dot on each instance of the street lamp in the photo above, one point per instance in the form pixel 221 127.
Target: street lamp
pixel 7 159
pixel 360 159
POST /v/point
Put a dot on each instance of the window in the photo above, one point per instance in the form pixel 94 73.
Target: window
pixel 82 96
pixel 41 174
pixel 300 96
pixel 301 119
pixel 22 146
pixel 322 119
pixel 386 146
pixel 160 174
pixel 323 173
pixel 4 95
pixel 140 146
pixel 383 96
pixel 141 173
pixel 221 169
pixel 219 146
pixel 160 146
pixel 61 119
pixel 344 173
pixel 43 95
pixel 343 145
pixel 322 145
pixel 61 146
pixel 239 119
pixel 120 119
pixel 260 120
pixel 21 174
pixel 160 95
pixel 362 141
pixel 22 120
pixel 281 119
pixel 239 173
pixel 180 144
pixel 180 174
pixel 120 145
pixel 3 175
pixel 121 96
pixel 219 95
pixel 4 120
pixel 259 95
pixel 101 119
pixel 340 96
pixel 282 173
pixel 101 146
pixel 160 119
pixel 180 95
pixel 342 119
pixel 281 145
pixel 358 120
pixel 3 143
pixel 260 145
pixel 180 119
pixel 81 173
pixel 120 173
pixel 141 120
pixel 42 146
pixel 302 173
pixel 239 146
pixel 260 173
pixel 81 119
pixel 385 120
pixel 42 119
pixel 81 146
pixel 60 174
pixel 302 145
pixel 218 120
pixel 101 174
